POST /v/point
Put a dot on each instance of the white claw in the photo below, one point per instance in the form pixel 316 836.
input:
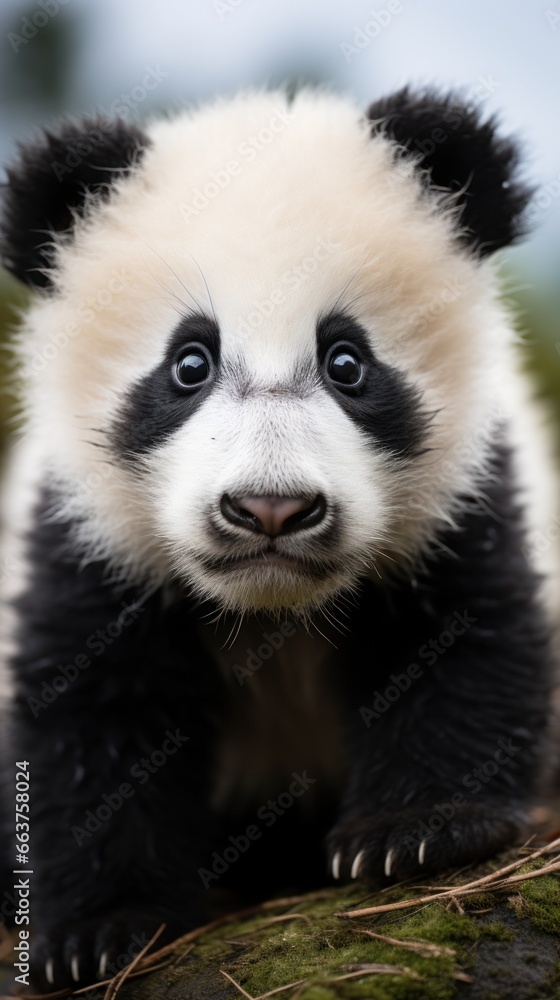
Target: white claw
pixel 75 968
pixel 389 861
pixel 356 864
pixel 49 971
pixel 336 865
pixel 422 852
pixel 103 963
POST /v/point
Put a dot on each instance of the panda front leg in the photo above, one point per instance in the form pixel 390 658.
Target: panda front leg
pixel 111 714
pixel 448 735
pixel 430 790
pixel 114 847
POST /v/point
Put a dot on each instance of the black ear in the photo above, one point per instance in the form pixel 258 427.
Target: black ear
pixel 460 151
pixel 51 182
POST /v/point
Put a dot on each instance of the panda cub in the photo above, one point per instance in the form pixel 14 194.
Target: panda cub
pixel 273 612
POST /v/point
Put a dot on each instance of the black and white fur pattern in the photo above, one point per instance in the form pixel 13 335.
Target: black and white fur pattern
pixel 332 229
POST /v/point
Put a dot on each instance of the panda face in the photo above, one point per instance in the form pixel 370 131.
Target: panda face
pixel 285 381
pixel 269 474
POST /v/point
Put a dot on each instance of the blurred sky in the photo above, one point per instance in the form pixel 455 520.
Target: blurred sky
pixel 508 51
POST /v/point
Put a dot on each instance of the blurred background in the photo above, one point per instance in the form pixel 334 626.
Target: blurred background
pixel 64 57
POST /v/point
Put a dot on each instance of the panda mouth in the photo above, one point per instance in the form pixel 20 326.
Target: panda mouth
pixel 267 559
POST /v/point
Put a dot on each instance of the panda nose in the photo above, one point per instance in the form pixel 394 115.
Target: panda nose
pixel 270 515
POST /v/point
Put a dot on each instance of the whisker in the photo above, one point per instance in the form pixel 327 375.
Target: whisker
pixel 176 276
pixel 236 627
pixel 205 285
pixel 333 621
pixel 325 637
pixel 351 281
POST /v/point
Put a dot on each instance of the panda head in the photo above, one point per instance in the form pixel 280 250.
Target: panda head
pixel 268 343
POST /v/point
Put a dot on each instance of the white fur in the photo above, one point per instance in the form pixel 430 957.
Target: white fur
pixel 321 190
pixel 23 477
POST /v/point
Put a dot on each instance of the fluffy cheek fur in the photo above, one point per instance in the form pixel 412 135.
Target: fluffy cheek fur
pixel 260 445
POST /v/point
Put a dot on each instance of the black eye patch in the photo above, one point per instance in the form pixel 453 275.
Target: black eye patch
pixel 374 394
pixel 161 401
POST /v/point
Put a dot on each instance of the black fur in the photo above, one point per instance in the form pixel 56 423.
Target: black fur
pixel 489 690
pixel 130 875
pixel 463 153
pixel 52 181
pixel 156 405
pixel 384 405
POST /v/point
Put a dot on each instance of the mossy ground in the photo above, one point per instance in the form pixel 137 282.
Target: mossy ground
pixel 507 943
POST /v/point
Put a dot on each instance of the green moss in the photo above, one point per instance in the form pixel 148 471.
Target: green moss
pixel 323 947
pixel 317 993
pixel 262 956
pixel 542 902
pixel 498 932
pixel 435 924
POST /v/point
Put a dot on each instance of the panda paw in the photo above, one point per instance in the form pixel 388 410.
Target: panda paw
pixel 78 954
pixel 412 842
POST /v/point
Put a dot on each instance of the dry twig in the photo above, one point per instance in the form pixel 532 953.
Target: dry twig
pixel 237 986
pixel 424 948
pixel 376 969
pixel 282 989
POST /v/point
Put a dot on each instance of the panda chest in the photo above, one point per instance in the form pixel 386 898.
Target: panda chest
pixel 281 712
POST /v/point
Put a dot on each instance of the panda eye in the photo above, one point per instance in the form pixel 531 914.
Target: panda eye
pixel 344 368
pixel 192 368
